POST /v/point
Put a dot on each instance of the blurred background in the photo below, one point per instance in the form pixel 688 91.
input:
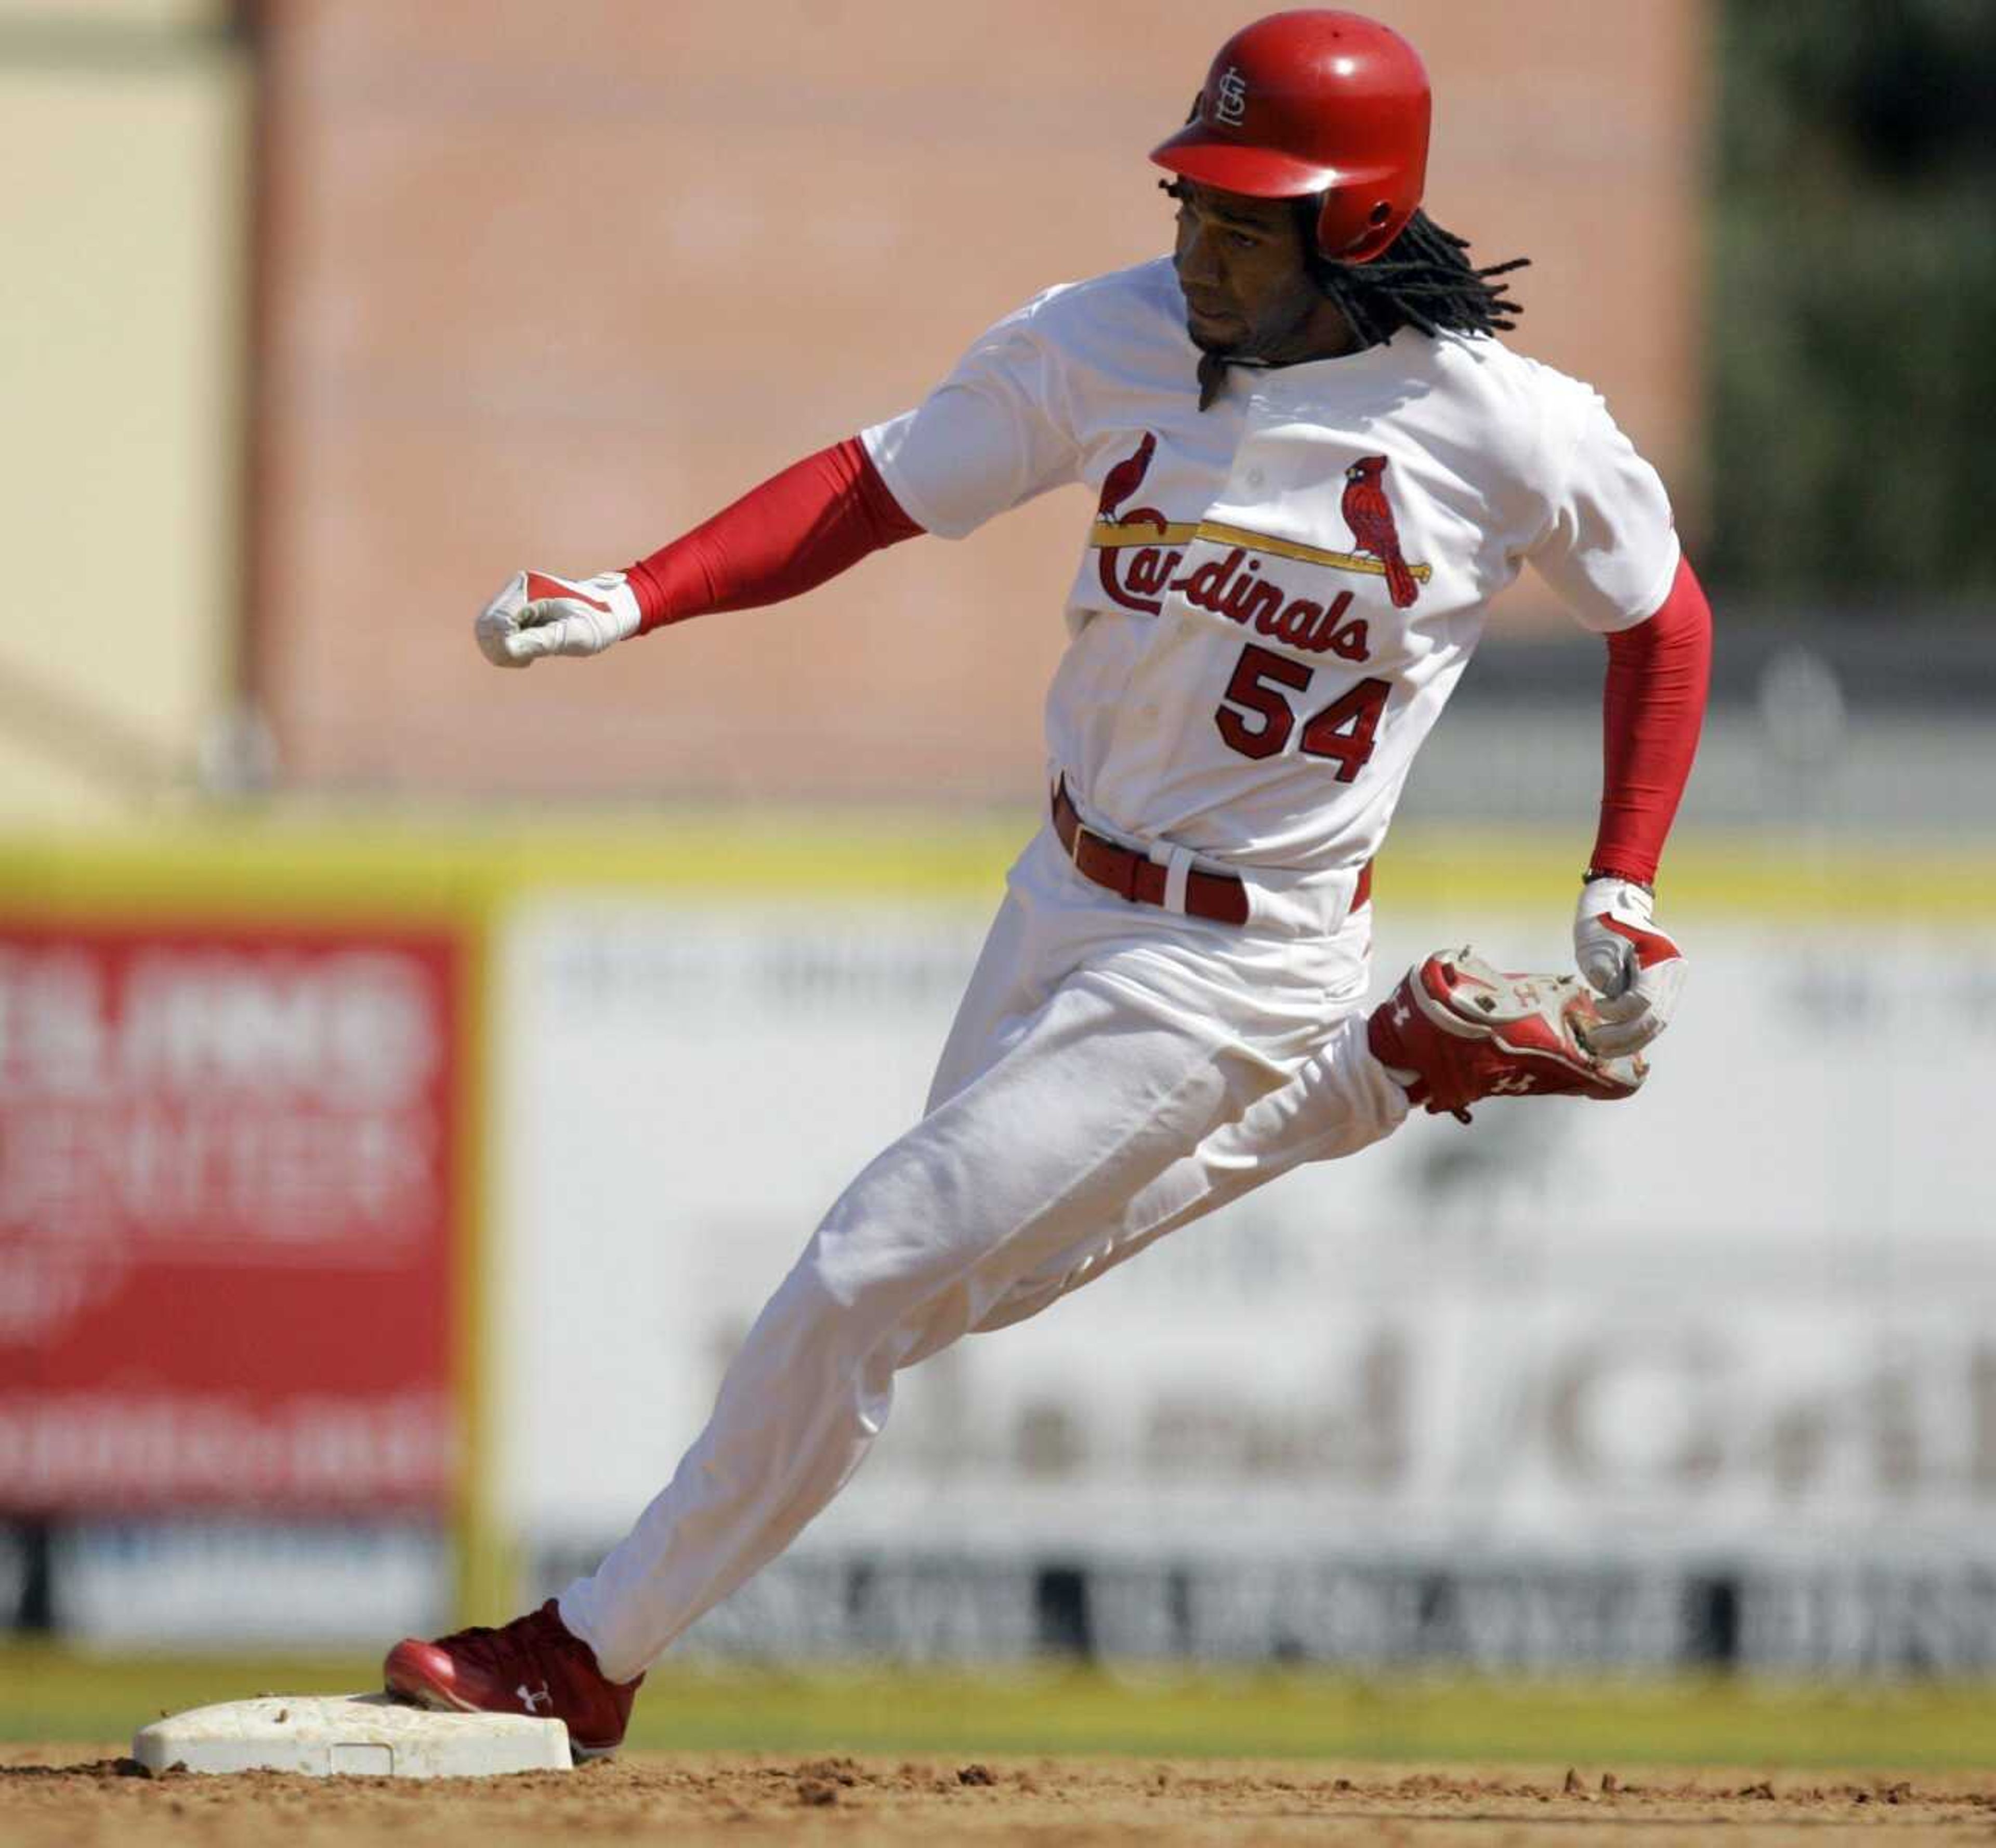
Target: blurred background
pixel 413 1078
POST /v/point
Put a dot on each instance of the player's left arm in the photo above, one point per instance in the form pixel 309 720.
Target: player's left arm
pixel 1608 544
pixel 1652 708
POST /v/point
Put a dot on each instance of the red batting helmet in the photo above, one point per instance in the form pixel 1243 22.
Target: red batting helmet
pixel 1309 102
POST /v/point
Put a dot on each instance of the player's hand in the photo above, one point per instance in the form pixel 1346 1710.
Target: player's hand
pixel 1636 969
pixel 537 614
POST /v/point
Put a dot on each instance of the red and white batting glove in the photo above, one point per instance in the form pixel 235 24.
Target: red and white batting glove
pixel 537 614
pixel 1637 970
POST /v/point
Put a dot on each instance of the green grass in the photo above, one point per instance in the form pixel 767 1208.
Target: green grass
pixel 48 1694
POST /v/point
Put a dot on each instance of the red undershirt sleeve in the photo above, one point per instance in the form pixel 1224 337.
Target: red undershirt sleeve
pixel 1652 709
pixel 818 517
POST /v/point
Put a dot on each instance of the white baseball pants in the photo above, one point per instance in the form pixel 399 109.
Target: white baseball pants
pixel 1115 1071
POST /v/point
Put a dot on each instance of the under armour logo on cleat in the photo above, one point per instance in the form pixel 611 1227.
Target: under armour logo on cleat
pixel 534 1701
pixel 1512 1084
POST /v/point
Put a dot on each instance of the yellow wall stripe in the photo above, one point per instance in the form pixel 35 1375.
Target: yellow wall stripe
pixel 438 870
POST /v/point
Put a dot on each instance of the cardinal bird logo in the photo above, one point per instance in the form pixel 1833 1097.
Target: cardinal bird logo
pixel 1127 476
pixel 1149 568
pixel 1370 515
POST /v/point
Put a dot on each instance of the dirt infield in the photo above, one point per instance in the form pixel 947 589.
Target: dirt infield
pixel 65 1795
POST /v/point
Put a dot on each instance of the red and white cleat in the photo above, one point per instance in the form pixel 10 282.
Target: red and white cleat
pixel 533 1665
pixel 1467 1031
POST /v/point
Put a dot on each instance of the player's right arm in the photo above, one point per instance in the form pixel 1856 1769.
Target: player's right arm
pixel 992 435
pixel 818 517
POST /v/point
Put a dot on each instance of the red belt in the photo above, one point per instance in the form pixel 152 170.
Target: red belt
pixel 1221 897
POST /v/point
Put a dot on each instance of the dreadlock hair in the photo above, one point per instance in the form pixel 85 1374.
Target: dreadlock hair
pixel 1424 281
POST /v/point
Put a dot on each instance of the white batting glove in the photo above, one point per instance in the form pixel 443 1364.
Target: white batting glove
pixel 1637 970
pixel 537 614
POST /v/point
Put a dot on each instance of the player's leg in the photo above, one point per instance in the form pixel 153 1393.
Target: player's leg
pixel 1115 1112
pixel 1455 1030
pixel 1335 1098
pixel 1341 1100
pixel 1099 1094
pixel 1100 1090
pixel 535 1663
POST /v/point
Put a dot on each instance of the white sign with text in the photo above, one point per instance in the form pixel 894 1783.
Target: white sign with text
pixel 1754 1310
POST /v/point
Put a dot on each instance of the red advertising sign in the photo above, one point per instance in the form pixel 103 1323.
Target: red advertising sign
pixel 227 1201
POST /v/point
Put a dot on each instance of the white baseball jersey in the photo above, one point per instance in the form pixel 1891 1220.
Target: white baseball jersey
pixel 1280 592
pixel 1275 599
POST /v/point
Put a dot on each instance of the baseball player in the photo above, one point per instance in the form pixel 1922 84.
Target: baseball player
pixel 1314 463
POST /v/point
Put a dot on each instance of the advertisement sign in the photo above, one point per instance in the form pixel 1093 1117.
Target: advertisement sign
pixel 1745 1316
pixel 227 1203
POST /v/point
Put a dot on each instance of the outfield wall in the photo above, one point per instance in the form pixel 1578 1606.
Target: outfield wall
pixel 1709 1375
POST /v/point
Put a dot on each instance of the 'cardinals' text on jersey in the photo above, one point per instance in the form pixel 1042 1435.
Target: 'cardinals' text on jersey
pixel 1276 595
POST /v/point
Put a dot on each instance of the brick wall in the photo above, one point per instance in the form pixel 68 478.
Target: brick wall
pixel 547 283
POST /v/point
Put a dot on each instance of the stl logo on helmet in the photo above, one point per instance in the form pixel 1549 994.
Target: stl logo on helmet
pixel 1230 98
